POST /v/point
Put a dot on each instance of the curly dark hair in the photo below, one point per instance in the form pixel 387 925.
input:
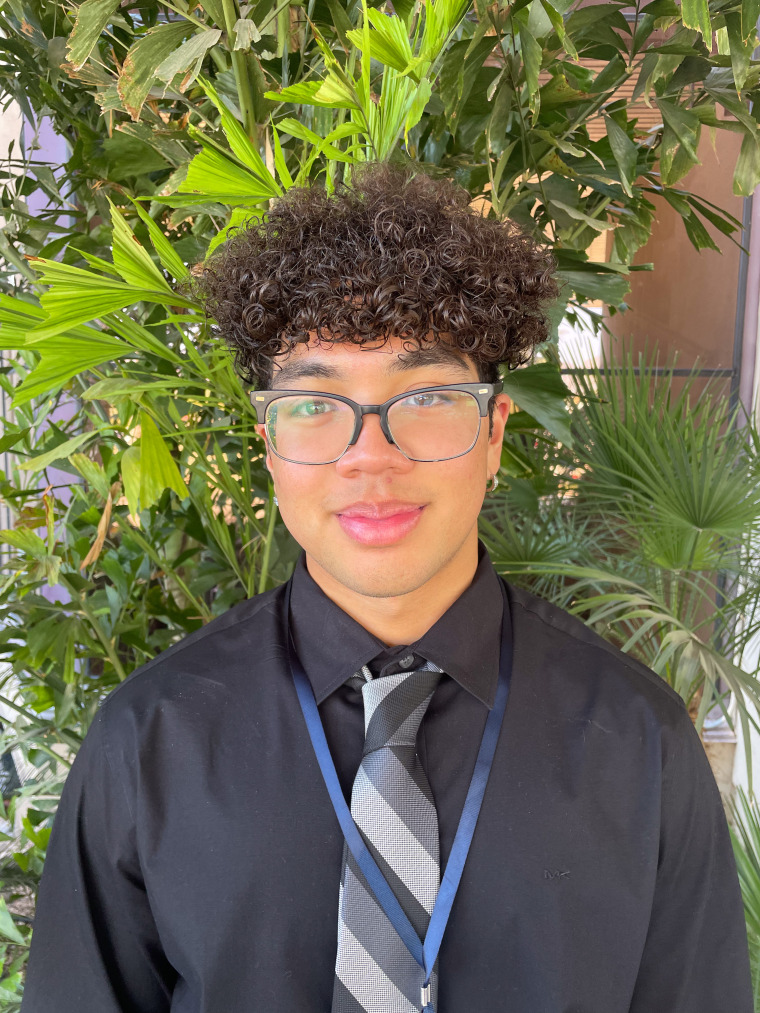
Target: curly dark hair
pixel 394 252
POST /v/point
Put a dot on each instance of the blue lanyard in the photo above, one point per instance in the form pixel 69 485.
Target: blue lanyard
pixel 424 953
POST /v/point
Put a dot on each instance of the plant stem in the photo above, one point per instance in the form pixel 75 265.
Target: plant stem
pixel 112 655
pixel 51 753
pixel 594 214
pixel 188 17
pixel 283 37
pixel 30 717
pixel 240 70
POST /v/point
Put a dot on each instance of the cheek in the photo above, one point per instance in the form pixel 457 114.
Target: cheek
pixel 457 487
pixel 301 493
pixel 468 487
pixel 474 466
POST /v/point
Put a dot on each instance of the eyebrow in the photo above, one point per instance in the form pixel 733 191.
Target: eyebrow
pixel 415 359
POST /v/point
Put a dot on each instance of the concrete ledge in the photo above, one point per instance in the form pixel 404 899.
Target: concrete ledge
pixel 720 746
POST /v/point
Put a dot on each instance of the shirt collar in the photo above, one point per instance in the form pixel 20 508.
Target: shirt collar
pixel 465 642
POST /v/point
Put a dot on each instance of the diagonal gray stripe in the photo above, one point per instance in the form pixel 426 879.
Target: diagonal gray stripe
pixel 343 1001
pixel 394 840
pixel 368 982
pixel 394 708
pixel 397 706
pixel 406 733
pixel 375 691
pixel 395 783
pixel 414 911
pixel 367 921
pixel 416 771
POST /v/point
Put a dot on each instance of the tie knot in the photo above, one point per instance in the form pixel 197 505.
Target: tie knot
pixel 395 705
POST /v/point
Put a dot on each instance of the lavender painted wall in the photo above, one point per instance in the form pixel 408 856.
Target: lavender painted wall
pixel 49 147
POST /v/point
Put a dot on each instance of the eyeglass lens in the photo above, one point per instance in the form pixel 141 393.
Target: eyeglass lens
pixel 426 426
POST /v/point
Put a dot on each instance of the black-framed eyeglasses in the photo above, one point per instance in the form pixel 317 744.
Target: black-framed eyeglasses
pixel 428 424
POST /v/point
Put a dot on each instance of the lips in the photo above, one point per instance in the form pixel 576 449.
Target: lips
pixel 379 524
pixel 379 510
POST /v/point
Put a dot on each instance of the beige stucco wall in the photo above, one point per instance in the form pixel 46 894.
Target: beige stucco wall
pixel 688 302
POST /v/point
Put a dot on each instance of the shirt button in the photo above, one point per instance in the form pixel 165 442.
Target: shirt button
pixel 407 661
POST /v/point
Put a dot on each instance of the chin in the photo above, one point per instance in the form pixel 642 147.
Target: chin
pixel 379 581
pixel 385 571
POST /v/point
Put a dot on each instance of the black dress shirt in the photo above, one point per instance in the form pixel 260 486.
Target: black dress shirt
pixel 194 863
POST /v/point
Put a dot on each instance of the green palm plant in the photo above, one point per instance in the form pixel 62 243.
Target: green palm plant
pixel 154 391
pixel 639 526
pixel 410 44
pixel 745 837
pixel 511 99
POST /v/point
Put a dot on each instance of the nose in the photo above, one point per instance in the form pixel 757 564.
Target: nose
pixel 372 452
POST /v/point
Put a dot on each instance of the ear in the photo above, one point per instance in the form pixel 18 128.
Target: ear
pixel 502 407
pixel 261 429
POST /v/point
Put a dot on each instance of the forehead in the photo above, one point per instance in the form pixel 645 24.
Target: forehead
pixel 342 360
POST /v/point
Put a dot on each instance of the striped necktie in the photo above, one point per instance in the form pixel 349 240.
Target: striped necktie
pixel 392 805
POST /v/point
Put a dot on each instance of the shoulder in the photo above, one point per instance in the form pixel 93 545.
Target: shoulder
pixel 212 660
pixel 555 645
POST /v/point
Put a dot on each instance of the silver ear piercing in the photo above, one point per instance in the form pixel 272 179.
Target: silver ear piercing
pixel 495 481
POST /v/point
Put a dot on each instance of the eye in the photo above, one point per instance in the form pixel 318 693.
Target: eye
pixel 428 398
pixel 310 408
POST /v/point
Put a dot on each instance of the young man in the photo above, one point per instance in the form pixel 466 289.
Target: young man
pixel 270 816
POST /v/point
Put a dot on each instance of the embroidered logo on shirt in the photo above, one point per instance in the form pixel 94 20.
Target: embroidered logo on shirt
pixel 556 873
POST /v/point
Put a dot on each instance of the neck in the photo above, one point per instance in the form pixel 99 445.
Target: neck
pixel 403 619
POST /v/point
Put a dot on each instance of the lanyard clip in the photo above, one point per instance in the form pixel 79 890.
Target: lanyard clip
pixel 426 995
